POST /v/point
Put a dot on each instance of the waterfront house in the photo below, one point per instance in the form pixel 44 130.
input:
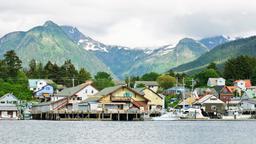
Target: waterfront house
pixel 153 85
pixel 8 107
pixel 188 102
pixel 119 98
pixel 90 104
pixel 81 92
pixel 156 101
pixel 67 99
pixel 216 82
pixel 45 93
pixel 76 94
pixel 248 105
pixel 243 84
pixel 228 92
pixel 211 104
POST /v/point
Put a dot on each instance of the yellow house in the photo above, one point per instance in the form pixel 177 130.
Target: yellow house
pixel 156 101
pixel 122 98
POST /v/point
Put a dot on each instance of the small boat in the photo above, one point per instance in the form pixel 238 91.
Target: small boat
pixel 167 117
pixel 193 113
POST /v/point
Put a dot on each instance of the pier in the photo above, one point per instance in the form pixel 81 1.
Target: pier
pixel 86 115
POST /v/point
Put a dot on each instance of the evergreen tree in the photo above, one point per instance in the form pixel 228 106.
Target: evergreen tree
pixel 203 76
pixel 32 72
pixel 12 64
pixel 212 65
pixel 152 76
pixel 166 81
pixel 102 80
pixel 83 75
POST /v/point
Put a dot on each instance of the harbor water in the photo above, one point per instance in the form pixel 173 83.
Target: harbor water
pixel 141 132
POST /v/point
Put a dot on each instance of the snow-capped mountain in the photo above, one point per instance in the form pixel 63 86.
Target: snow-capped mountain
pixel 124 61
pixel 212 42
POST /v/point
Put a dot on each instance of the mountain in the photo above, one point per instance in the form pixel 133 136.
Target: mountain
pixel 169 56
pixel 118 58
pixel 212 42
pixel 133 61
pixel 50 42
pixel 220 54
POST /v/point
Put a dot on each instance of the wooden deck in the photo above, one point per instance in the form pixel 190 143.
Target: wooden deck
pixel 101 116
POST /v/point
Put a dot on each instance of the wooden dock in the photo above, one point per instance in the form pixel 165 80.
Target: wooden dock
pixel 86 116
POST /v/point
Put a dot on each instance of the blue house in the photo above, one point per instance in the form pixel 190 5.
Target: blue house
pixel 45 92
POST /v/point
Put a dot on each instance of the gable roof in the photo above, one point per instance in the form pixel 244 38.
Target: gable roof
pixel 218 89
pixel 109 90
pixel 147 83
pixel 247 82
pixel 8 96
pixel 142 90
pixel 231 89
pixel 73 90
pixel 249 94
pixel 209 99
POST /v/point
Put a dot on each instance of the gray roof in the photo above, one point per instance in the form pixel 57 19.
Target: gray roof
pixel 9 97
pixel 209 99
pixel 72 90
pixel 91 99
pixel 8 107
pixel 109 90
pixel 147 83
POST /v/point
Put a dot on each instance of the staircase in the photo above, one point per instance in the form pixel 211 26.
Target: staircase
pixel 60 104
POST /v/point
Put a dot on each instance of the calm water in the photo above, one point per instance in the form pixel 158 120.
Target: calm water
pixel 97 132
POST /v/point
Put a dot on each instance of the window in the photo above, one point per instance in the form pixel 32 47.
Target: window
pixel 92 91
pixel 86 91
pixel 47 88
pixel 79 98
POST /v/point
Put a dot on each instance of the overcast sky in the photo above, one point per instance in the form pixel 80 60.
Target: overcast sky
pixel 134 23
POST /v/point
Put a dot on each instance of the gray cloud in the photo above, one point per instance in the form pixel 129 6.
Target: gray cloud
pixel 134 22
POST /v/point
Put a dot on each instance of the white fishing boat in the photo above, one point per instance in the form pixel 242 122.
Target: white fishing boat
pixel 193 113
pixel 167 117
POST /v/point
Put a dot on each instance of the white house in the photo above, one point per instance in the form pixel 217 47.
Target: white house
pixel 81 92
pixel 37 84
pixel 216 82
pixel 248 105
pixel 243 84
pixel 8 108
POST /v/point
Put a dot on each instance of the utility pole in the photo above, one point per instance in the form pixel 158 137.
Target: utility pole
pixel 183 93
pixel 73 82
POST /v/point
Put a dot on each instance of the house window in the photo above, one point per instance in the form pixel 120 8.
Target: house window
pixel 86 91
pixel 127 94
pixel 92 91
pixel 47 88
pixel 79 98
pixel 74 98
